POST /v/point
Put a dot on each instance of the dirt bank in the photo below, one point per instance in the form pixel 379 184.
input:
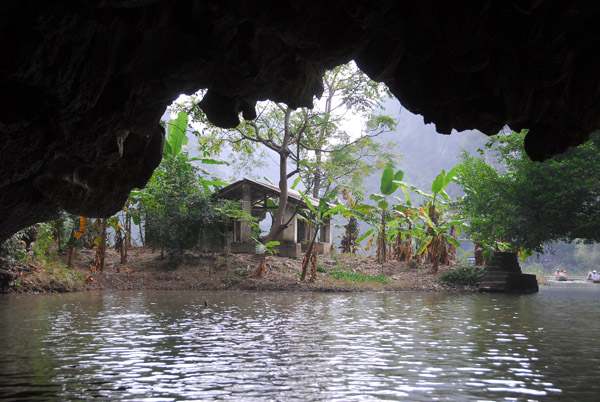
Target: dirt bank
pixel 146 269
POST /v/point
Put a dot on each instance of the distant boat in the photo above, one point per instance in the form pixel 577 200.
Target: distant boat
pixel 561 279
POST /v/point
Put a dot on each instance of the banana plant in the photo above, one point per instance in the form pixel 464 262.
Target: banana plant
pixel 176 135
pixel 74 237
pixel 263 250
pixel 318 217
pixel 404 234
pixel 381 215
pixel 437 235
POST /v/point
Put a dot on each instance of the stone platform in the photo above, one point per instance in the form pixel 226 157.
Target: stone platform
pixel 503 275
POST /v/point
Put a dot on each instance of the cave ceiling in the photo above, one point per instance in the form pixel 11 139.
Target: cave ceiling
pixel 84 84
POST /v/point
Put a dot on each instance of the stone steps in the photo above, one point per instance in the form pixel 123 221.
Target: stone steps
pixel 503 275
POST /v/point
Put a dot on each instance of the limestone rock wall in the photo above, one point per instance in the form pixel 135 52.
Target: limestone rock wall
pixel 83 84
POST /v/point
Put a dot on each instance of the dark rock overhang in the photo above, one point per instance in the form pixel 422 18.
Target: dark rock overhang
pixel 83 84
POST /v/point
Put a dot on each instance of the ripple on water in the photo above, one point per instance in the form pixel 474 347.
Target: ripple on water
pixel 167 346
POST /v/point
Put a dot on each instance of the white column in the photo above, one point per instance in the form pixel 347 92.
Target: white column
pixel 245 226
pixel 290 233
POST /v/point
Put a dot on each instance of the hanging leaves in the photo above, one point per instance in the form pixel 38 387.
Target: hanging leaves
pixel 176 135
pixel 82 227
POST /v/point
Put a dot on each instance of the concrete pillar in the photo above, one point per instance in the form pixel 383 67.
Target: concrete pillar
pixel 325 236
pixel 291 232
pixel 245 225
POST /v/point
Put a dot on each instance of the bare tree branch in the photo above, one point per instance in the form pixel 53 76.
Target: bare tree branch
pixel 308 148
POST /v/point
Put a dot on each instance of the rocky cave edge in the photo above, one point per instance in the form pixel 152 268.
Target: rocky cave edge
pixel 84 84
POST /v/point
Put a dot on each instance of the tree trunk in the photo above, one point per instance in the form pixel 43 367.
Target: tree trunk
pixel 126 239
pixel 101 250
pixel 381 243
pixel 260 271
pixel 141 233
pixel 70 256
pixel 71 250
pixel 479 254
pixel 307 256
pixel 318 154
pixel 436 252
pixel 278 224
pixel 317 176
pixel 313 268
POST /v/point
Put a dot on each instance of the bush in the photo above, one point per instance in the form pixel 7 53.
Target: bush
pixel 463 276
pixel 12 250
pixel 43 241
pixel 181 228
pixel 177 210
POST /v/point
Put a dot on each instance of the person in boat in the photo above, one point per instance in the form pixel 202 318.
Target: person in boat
pixel 592 275
pixel 563 273
pixel 558 275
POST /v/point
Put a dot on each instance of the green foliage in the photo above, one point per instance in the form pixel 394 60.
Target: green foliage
pixel 388 187
pixel 537 270
pixel 61 278
pixel 463 276
pixel 176 135
pixel 319 216
pixel 13 250
pixel 62 229
pixel 40 237
pixel 587 256
pixel 176 209
pixel 176 203
pixel 268 247
pixel 43 243
pixel 526 204
pixel 358 277
pixel 380 216
pixel 315 139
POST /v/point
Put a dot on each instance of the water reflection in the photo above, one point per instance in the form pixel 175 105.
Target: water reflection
pixel 286 346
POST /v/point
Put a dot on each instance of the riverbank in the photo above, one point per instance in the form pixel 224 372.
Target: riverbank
pixel 146 269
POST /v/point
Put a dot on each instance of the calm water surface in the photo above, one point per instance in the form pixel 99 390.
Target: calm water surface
pixel 164 346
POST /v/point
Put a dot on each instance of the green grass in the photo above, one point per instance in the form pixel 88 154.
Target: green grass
pixel 358 277
pixel 64 277
pixel 321 268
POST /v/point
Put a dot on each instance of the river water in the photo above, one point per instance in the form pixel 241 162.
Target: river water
pixel 164 346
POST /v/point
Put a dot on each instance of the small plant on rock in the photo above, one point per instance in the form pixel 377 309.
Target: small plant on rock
pixel 463 276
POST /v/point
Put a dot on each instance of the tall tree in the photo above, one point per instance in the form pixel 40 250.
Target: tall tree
pixel 312 140
pixel 526 204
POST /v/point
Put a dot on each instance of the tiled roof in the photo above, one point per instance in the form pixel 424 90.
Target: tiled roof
pixel 258 190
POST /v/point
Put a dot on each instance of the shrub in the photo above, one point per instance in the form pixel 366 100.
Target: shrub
pixel 177 210
pixel 13 250
pixel 463 276
pixel 44 240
